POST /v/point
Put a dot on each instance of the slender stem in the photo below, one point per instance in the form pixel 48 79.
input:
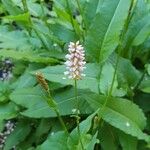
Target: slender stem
pixel 99 77
pixel 77 114
pixel 112 84
pixel 61 121
pixel 57 113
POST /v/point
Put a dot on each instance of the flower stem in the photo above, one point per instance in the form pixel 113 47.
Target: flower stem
pixel 77 114
pixel 55 108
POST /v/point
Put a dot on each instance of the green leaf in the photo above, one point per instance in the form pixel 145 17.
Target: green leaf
pixel 34 100
pixel 86 138
pixel 40 130
pixel 4 91
pixel 21 18
pixel 137 25
pixel 107 138
pixel 106 79
pixel 89 11
pixel 36 9
pixel 127 142
pixel 104 33
pixel 127 74
pixel 146 89
pixel 27 56
pixel 120 113
pixel 11 7
pixel 14 40
pixel 18 135
pixel 143 34
pixel 56 74
pixel 8 111
pixel 55 142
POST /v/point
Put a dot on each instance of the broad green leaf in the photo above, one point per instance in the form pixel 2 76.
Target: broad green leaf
pixel 127 74
pixel 26 79
pixel 107 138
pixel 89 11
pixel 36 9
pixel 64 15
pixel 33 99
pixel 137 25
pixel 8 111
pixel 74 142
pixel 127 142
pixel 18 135
pixel 56 74
pixel 14 40
pixel 106 78
pixel 4 91
pixel 104 33
pixel 90 81
pixel 27 56
pixel 21 18
pixel 11 7
pixel 120 113
pixel 56 142
pixel 40 130
pixel 63 33
pixel 146 89
pixel 143 33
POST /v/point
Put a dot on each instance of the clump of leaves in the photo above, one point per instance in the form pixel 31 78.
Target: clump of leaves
pixel 114 96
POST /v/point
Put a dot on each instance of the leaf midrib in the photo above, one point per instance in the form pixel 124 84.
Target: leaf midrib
pixel 108 29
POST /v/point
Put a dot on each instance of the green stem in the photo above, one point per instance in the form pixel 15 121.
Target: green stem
pixel 61 121
pixel 99 77
pixel 77 114
pixel 112 84
pixel 55 108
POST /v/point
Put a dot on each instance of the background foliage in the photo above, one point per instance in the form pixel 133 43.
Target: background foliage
pixel 34 35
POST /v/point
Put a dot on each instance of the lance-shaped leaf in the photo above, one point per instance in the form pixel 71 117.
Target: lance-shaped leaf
pixel 120 113
pixel 104 33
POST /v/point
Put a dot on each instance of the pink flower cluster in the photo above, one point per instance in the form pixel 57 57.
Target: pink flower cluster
pixel 75 63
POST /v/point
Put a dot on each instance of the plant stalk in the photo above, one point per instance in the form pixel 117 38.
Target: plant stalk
pixel 77 114
pixel 55 108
